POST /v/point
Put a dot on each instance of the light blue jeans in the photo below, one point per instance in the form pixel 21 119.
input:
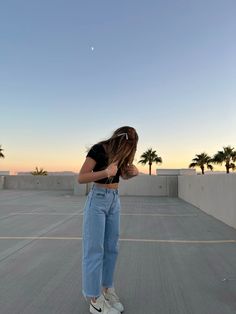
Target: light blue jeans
pixel 101 226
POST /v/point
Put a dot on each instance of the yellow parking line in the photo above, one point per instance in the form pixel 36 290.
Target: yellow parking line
pixel 127 240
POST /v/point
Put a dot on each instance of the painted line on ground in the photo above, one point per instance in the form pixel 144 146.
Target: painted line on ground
pixel 165 215
pixel 122 214
pixel 53 214
pixel 128 240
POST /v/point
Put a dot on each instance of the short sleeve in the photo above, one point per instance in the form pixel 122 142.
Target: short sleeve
pixel 94 152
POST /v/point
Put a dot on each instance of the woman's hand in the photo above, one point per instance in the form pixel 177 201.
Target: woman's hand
pixel 112 169
pixel 87 174
pixel 130 172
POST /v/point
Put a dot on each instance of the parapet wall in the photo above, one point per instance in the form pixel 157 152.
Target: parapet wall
pixel 214 194
pixel 142 185
pixel 30 182
pixel 2 180
pixel 146 185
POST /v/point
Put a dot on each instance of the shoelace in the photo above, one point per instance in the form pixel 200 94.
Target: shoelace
pixel 113 296
pixel 106 303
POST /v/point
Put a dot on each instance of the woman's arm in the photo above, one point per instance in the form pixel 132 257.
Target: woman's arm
pixel 129 172
pixel 87 175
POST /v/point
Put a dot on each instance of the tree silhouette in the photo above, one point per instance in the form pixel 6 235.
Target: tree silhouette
pixel 227 155
pixel 200 161
pixel 149 157
pixel 39 172
pixel 1 153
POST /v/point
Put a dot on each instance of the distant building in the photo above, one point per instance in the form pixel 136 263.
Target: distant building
pixel 175 172
pixel 4 173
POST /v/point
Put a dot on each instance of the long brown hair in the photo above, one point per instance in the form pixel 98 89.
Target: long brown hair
pixel 121 146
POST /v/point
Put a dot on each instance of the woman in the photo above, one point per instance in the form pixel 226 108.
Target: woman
pixel 105 162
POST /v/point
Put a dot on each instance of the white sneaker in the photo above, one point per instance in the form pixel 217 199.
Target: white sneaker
pixel 102 306
pixel 113 299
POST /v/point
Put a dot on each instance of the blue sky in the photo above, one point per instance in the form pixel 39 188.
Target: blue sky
pixel 168 68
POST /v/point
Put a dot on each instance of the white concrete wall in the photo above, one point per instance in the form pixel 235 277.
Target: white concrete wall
pixel 27 182
pixel 150 186
pixel 4 173
pixel 216 195
pixel 141 185
pixel 2 179
pixel 175 172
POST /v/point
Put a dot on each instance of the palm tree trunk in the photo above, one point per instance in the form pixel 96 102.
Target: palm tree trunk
pixel 150 169
pixel 202 168
pixel 227 166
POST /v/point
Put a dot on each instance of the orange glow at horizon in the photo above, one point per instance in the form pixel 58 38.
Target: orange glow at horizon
pixel 76 167
pixel 54 163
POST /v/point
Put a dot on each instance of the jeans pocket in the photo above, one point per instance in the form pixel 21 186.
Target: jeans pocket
pixel 98 201
pixel 99 195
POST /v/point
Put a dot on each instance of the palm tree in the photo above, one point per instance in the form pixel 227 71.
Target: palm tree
pixel 227 155
pixel 200 161
pixel 150 156
pixel 40 172
pixel 1 153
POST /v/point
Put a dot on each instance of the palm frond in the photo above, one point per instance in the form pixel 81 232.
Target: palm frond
pixel 1 152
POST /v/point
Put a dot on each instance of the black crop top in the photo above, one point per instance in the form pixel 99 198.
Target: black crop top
pixel 97 153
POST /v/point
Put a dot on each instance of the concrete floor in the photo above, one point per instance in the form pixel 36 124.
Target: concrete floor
pixel 174 259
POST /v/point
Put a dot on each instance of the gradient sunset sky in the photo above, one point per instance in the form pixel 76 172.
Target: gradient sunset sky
pixel 73 71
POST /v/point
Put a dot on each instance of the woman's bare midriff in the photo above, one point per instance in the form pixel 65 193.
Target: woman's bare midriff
pixel 107 185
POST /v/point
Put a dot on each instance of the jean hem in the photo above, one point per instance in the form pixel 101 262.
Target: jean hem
pixel 90 295
pixel 107 286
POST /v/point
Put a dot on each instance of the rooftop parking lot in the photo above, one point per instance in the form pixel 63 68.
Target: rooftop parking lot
pixel 174 258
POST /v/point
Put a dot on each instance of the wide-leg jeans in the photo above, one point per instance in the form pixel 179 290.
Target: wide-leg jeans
pixel 101 224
